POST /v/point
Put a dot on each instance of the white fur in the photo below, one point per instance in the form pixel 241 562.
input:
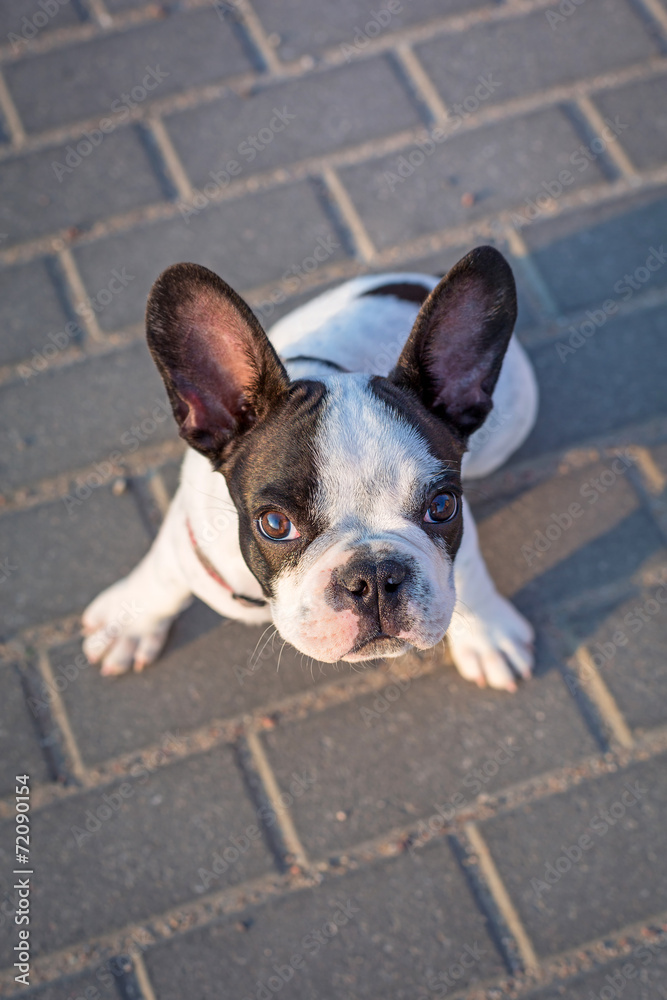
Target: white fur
pixel 365 479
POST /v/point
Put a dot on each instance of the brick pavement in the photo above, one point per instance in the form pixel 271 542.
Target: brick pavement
pixel 218 827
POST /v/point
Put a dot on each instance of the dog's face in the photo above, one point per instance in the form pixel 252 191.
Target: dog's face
pixel 347 488
pixel 349 505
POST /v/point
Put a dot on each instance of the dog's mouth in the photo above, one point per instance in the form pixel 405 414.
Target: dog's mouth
pixel 375 647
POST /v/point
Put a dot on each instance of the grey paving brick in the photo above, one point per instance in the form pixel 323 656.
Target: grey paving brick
pixel 209 671
pixel 302 28
pixel 500 166
pixel 628 643
pixel 22 21
pixel 89 78
pixel 5 132
pixel 34 316
pixel 570 534
pixel 639 975
pixel 19 749
pixel 585 256
pixel 526 54
pixel 96 984
pixel 258 239
pixel 62 562
pixel 67 417
pixel 659 453
pixel 156 830
pixel 643 106
pixel 119 6
pixel 330 110
pixel 614 379
pixel 116 176
pixel 402 934
pixel 616 880
pixel 393 758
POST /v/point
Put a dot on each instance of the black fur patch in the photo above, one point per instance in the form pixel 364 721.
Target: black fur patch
pixel 406 290
pixel 274 468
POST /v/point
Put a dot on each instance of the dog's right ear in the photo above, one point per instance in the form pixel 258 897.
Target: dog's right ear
pixel 221 372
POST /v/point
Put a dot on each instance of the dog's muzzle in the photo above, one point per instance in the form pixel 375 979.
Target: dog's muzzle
pixel 375 591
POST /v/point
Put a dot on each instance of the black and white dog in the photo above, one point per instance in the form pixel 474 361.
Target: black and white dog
pixel 322 487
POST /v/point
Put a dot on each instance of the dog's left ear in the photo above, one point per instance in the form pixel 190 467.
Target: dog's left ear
pixel 221 372
pixel 454 353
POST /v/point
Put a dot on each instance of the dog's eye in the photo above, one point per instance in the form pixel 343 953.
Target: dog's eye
pixel 277 527
pixel 442 508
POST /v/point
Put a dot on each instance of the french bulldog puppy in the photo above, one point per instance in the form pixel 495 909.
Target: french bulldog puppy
pixel 322 489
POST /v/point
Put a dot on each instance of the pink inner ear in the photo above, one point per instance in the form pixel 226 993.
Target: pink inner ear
pixel 215 333
pixel 218 363
pixel 454 350
pixel 198 414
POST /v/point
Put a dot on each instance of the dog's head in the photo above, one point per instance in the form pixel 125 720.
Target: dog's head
pixel 347 488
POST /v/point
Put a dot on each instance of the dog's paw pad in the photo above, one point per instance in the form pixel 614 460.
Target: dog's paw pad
pixel 494 648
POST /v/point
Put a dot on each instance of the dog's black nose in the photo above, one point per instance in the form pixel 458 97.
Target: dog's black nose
pixel 371 586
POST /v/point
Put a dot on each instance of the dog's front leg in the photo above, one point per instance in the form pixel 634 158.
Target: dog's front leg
pixel 127 624
pixel 489 640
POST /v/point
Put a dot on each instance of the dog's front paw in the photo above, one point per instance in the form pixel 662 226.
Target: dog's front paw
pixel 120 632
pixel 493 646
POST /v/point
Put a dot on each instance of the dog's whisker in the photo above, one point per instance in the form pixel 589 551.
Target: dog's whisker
pixel 260 638
pixel 280 654
pixel 271 639
pixel 257 653
pixel 475 491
